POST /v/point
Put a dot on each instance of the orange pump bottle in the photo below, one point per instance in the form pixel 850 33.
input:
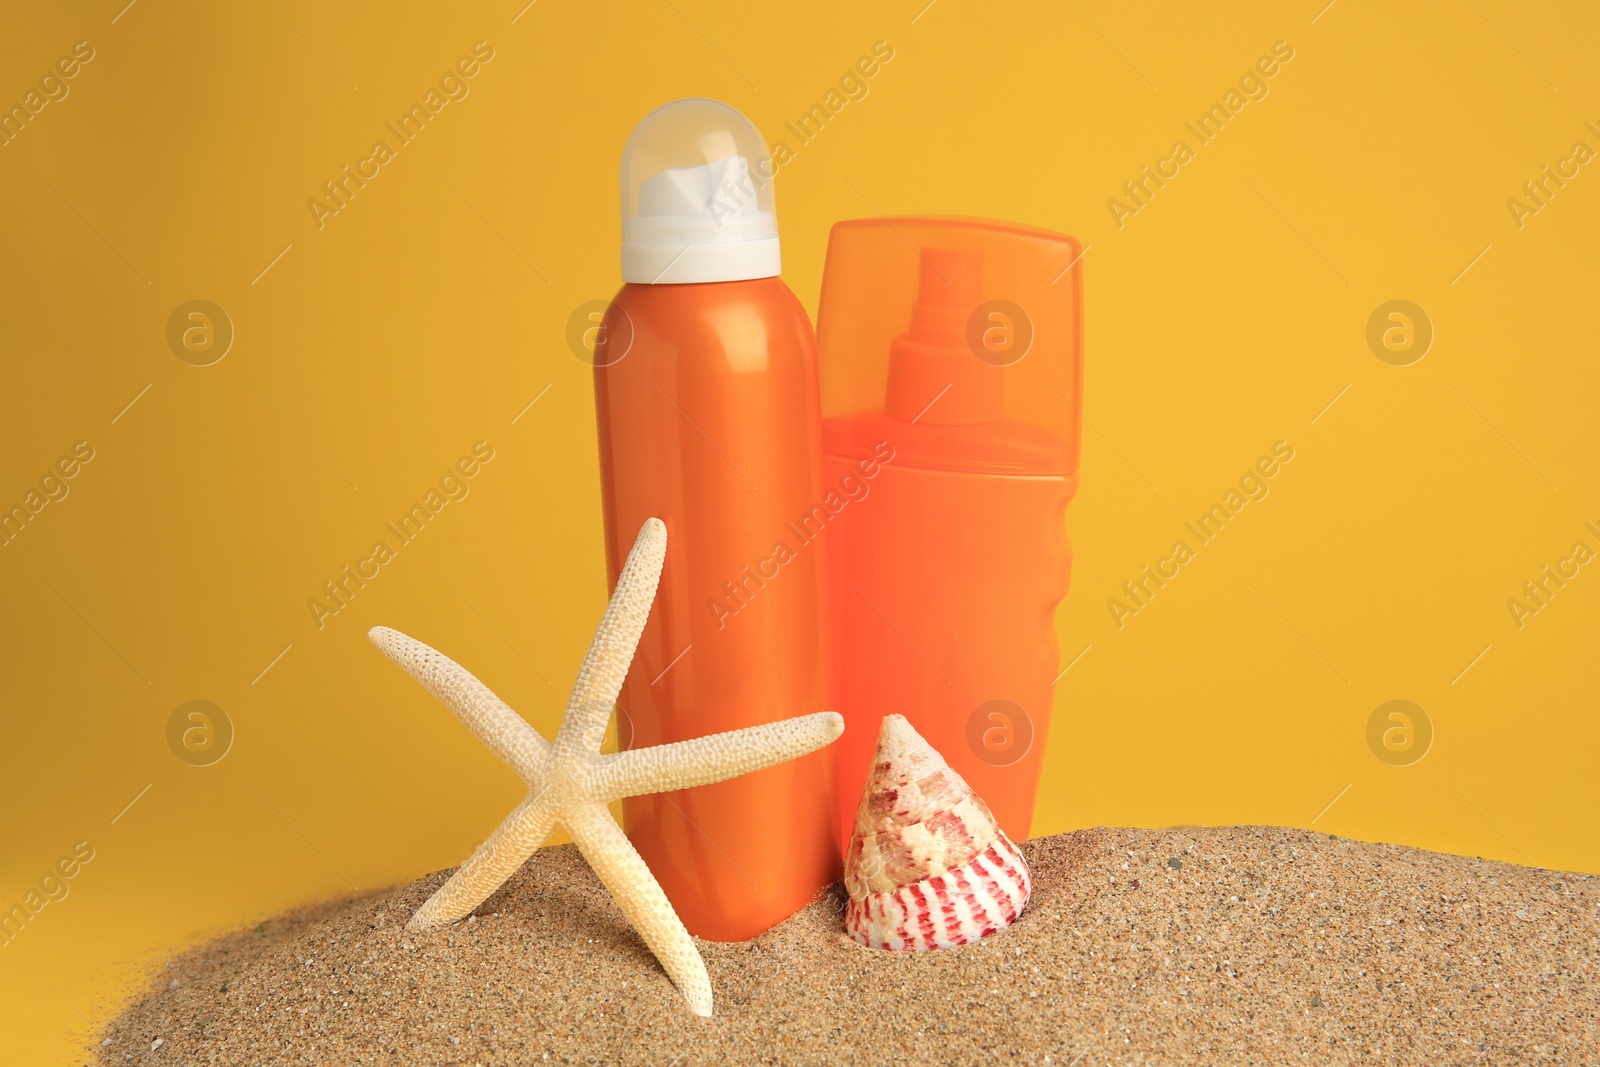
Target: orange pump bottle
pixel 707 404
pixel 951 376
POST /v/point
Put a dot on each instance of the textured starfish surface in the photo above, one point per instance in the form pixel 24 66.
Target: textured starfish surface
pixel 570 782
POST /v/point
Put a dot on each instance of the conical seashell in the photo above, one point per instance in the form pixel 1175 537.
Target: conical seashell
pixel 928 867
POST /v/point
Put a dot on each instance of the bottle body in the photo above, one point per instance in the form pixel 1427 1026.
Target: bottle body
pixel 709 420
pixel 945 578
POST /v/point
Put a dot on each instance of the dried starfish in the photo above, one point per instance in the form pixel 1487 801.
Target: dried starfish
pixel 570 782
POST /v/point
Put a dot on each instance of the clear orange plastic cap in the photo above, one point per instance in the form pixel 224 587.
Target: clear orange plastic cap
pixel 939 323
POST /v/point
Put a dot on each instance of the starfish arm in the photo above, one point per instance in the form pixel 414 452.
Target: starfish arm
pixel 606 664
pixel 636 891
pixel 497 859
pixel 703 760
pixel 485 714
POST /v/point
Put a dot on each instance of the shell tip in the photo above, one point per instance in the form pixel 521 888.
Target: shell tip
pixel 897 738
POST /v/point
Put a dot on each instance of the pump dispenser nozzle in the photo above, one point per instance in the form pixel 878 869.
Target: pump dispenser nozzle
pixel 934 377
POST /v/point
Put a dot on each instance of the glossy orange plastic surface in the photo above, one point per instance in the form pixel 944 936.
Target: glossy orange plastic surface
pixel 709 419
pixel 950 373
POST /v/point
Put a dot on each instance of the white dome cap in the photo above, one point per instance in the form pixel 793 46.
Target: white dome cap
pixel 697 198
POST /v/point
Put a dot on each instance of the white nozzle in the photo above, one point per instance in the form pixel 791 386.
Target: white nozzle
pixel 697 198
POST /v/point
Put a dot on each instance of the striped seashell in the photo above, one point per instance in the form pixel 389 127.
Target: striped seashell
pixel 928 867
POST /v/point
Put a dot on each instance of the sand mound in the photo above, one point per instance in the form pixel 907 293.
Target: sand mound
pixel 1242 945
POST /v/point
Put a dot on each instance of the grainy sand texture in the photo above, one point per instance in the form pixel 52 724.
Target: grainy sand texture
pixel 1245 945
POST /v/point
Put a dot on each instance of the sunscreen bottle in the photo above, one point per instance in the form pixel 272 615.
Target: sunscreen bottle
pixel 951 375
pixel 706 398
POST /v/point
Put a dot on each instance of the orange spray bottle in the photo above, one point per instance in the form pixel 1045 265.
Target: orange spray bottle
pixel 707 404
pixel 951 374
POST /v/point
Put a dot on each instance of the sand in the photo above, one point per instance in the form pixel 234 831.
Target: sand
pixel 1247 945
